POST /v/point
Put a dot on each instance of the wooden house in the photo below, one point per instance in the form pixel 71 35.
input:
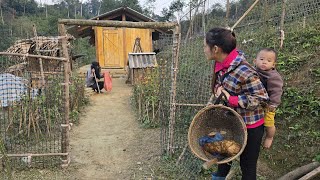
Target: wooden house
pixel 114 44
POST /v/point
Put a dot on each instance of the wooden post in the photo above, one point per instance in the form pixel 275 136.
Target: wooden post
pixel 65 124
pixel 174 73
pixel 282 23
pixel 109 23
pixel 40 59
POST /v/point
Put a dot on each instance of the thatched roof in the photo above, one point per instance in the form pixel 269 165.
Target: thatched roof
pixel 47 46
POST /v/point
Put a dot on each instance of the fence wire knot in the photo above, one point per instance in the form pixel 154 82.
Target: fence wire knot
pixel 67 125
pixel 175 69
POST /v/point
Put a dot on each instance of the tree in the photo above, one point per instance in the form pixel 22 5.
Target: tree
pixel 22 7
pixel 168 14
pixel 217 10
pixel 133 4
pixel 108 5
pixel 92 8
pixel 149 8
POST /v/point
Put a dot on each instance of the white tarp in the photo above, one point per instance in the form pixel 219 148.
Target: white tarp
pixel 12 88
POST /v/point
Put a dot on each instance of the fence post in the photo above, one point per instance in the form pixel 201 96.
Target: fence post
pixel 282 23
pixel 174 73
pixel 65 123
pixel 40 59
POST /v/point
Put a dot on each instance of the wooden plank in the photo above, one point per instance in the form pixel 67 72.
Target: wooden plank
pixel 99 45
pixel 96 42
pixel 124 61
pixel 144 34
pixel 122 50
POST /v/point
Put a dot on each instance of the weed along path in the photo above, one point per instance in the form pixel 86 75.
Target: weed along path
pixel 109 143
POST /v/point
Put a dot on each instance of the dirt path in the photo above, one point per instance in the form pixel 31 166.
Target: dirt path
pixel 108 143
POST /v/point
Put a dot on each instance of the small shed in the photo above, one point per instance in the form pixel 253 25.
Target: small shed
pixel 114 44
pixel 140 65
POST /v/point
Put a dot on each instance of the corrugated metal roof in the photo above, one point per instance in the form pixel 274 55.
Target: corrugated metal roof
pixel 142 60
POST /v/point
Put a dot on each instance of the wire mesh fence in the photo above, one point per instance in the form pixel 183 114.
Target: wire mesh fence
pixel 32 106
pixel 33 99
pixel 269 24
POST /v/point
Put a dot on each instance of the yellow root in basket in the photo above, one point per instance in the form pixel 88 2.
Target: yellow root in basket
pixel 225 147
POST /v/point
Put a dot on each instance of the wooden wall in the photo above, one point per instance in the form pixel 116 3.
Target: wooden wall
pixel 114 44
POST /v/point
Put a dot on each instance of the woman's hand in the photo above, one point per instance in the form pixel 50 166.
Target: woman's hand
pixel 220 90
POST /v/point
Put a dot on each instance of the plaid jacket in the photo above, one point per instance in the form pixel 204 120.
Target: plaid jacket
pixel 244 82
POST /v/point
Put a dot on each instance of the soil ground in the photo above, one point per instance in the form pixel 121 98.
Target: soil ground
pixel 108 143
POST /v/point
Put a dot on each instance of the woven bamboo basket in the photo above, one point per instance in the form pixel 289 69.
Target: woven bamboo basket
pixel 216 118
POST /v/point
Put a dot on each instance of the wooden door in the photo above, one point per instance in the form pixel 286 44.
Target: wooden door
pixel 112 48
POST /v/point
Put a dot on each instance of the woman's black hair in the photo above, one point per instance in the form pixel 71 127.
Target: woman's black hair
pixel 223 38
pixel 96 66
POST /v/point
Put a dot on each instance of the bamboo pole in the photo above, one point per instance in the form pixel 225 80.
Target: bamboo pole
pixel 174 73
pixel 204 18
pixel 109 23
pixel 227 12
pixel 2 20
pixel 33 56
pixel 245 14
pixel 182 154
pixel 282 23
pixel 311 174
pixel 300 171
pixel 195 105
pixel 37 155
pixel 283 14
pixel 65 125
pixel 40 59
pixel 21 120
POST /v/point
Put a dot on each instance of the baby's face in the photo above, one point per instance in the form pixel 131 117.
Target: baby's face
pixel 265 60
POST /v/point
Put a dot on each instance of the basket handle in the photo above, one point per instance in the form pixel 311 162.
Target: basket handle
pixel 209 163
pixel 219 98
